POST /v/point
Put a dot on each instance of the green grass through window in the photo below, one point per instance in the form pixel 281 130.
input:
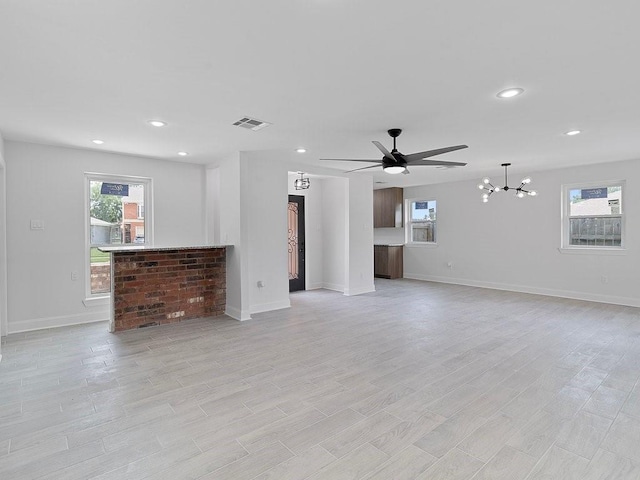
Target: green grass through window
pixel 99 257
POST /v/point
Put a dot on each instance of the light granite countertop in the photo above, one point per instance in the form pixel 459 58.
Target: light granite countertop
pixel 137 248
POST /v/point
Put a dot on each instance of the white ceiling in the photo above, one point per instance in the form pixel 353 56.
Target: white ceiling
pixel 331 75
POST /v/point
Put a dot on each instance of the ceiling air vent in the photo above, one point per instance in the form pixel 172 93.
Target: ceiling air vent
pixel 251 123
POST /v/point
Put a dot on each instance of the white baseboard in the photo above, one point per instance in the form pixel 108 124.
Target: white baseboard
pixel 267 307
pixel 61 321
pixel 336 287
pixel 315 286
pixel 589 297
pixel 360 290
pixel 237 314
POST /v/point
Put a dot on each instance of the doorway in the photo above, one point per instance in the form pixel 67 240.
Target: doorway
pixel 296 253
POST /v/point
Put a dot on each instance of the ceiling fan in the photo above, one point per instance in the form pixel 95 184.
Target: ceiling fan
pixel 395 162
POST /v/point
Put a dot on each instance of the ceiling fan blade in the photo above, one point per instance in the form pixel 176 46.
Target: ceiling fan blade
pixel 382 148
pixel 435 163
pixel 348 160
pixel 433 153
pixel 406 171
pixel 362 168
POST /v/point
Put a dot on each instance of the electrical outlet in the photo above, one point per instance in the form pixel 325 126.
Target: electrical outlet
pixel 74 275
pixel 604 279
pixel 450 265
pixel 37 225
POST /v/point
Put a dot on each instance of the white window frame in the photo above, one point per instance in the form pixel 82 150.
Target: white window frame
pixel 566 247
pixel 408 223
pixel 101 298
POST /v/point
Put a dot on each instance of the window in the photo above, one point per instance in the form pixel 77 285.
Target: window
pixel 421 223
pixel 114 208
pixel 593 216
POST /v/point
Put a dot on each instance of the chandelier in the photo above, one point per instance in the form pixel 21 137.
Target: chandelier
pixel 520 191
pixel 301 183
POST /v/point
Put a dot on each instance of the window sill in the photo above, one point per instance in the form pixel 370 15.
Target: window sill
pixel 421 245
pixel 97 301
pixel 593 251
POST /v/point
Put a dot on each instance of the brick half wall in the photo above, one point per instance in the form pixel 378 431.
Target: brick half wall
pixel 154 287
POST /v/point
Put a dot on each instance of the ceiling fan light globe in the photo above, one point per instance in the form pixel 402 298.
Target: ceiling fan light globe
pixel 481 186
pixel 394 169
pixel 485 180
pixel 526 180
pixel 532 193
pixel 485 200
pixel 519 194
pixel 497 189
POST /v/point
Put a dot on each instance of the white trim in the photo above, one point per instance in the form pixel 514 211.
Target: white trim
pixel 336 287
pixel 268 307
pixel 4 281
pixel 237 314
pixel 589 297
pixel 97 301
pixel 359 291
pixel 315 286
pixel 593 250
pixel 53 322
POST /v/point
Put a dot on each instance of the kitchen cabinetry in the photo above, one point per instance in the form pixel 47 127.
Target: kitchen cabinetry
pixel 387 208
pixel 387 261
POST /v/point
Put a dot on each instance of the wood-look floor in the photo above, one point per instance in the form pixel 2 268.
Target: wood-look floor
pixel 415 381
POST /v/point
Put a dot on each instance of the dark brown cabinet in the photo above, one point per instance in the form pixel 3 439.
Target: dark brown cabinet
pixel 387 208
pixel 387 261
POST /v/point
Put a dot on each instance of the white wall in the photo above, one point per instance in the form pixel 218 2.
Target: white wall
pixel 252 194
pixel 47 183
pixel 227 224
pixel 3 246
pixel 360 236
pixel 251 198
pixel 265 208
pixel 512 244
pixel 313 230
pixel 334 233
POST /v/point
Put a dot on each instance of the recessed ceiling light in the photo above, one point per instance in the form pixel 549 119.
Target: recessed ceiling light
pixel 183 154
pixel 301 150
pixel 571 133
pixel 510 92
pixel 157 123
pixel 98 142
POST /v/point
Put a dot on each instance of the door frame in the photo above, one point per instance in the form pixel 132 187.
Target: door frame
pixel 299 283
